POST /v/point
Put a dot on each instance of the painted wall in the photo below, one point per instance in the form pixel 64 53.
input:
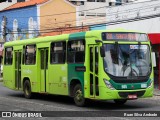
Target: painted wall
pixel 22 30
pixel 57 7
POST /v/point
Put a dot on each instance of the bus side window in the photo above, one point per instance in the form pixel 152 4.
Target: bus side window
pixel 70 53
pixel 30 54
pixel 8 56
pixel 23 60
pixel 58 53
pixel 76 51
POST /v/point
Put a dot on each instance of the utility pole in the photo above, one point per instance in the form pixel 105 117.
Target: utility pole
pixel 4 19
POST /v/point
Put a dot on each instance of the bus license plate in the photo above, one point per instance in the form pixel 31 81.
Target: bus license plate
pixel 132 96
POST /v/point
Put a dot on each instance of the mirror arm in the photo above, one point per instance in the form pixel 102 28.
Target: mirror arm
pixel 99 41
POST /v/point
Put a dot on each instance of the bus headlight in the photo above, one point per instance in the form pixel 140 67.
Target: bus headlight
pixel 150 84
pixel 108 84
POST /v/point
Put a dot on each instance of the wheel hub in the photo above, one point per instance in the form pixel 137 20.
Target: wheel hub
pixel 79 95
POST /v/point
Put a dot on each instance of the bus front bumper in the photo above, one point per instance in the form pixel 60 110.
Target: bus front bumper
pixel 107 94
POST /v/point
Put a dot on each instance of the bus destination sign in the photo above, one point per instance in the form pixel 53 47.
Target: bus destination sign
pixel 124 36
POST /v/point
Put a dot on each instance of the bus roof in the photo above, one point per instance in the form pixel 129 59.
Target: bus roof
pixel 73 36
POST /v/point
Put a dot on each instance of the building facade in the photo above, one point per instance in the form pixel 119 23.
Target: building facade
pixel 21 23
pixel 18 21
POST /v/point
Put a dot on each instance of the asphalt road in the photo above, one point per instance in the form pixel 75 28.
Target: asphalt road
pixel 62 107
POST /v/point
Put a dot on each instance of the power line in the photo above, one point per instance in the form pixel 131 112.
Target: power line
pixel 109 23
pixel 109 13
pixel 61 13
pixel 87 19
pixel 113 13
pixel 78 20
pixel 52 28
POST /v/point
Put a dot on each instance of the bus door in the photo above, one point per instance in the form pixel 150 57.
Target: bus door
pixel 43 68
pixel 94 82
pixel 18 54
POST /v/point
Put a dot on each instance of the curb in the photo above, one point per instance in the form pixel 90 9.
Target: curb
pixel 156 94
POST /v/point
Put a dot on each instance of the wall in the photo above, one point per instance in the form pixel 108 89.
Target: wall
pixel 91 13
pixel 55 21
pixel 22 16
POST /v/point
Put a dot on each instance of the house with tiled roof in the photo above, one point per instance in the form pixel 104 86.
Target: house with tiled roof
pixel 34 17
pixel 21 20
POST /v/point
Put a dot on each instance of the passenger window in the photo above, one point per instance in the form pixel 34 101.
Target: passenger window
pixel 30 54
pixel 8 56
pixel 58 53
pixel 76 51
pixel 23 60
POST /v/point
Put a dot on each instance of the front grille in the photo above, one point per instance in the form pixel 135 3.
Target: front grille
pixel 125 94
pixel 127 80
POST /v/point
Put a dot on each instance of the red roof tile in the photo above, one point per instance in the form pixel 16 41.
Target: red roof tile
pixel 25 4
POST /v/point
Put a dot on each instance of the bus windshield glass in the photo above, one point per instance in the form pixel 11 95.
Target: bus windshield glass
pixel 123 60
pixel 125 36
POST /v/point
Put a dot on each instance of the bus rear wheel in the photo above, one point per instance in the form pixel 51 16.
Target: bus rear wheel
pixel 27 89
pixel 78 96
pixel 120 101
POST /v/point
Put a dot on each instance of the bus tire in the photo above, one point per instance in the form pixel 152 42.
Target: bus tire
pixel 27 89
pixel 120 101
pixel 78 96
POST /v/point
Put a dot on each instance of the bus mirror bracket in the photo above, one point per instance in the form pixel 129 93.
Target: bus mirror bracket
pixel 102 50
pixel 99 41
pixel 153 59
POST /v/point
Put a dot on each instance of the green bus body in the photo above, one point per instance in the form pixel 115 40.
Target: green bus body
pixel 61 78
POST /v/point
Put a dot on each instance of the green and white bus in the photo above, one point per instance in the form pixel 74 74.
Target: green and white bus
pixel 99 65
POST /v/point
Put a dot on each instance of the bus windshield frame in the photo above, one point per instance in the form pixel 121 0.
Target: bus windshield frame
pixel 127 60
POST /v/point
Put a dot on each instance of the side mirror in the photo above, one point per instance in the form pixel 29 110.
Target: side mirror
pixel 102 51
pixel 153 59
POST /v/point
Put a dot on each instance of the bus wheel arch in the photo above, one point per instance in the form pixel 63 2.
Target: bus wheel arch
pixel 27 88
pixel 77 93
pixel 73 83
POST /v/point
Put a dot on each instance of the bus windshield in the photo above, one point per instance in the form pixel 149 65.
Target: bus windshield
pixel 125 60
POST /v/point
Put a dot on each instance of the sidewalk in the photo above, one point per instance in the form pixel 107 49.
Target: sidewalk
pixel 156 92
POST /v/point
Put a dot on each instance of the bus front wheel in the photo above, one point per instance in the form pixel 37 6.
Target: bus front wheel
pixel 120 101
pixel 27 89
pixel 78 96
